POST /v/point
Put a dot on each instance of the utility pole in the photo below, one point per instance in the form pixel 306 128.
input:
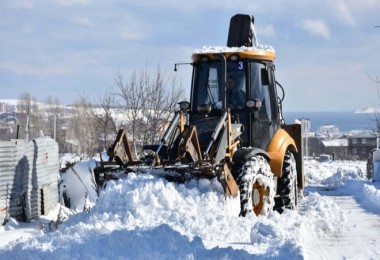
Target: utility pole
pixel 55 127
pixel 26 137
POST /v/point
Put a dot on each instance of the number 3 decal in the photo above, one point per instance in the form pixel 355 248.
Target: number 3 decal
pixel 240 65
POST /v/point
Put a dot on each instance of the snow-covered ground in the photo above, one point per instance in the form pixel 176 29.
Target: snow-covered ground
pixel 145 217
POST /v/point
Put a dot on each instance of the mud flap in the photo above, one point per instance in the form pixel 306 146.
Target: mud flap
pixel 295 131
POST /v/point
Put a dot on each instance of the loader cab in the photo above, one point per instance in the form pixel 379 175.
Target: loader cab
pixel 219 85
pixel 210 87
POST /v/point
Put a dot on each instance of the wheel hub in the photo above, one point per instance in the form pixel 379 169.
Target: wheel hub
pixel 260 193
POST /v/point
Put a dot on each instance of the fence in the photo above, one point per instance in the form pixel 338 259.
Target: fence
pixel 29 175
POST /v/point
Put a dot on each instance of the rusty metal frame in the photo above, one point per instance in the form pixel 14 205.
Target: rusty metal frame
pixel 189 145
pixel 121 151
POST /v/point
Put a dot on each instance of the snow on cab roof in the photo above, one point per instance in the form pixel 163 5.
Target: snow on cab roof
pixel 259 52
pixel 218 49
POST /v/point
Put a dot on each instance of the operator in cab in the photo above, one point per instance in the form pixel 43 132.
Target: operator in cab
pixel 236 97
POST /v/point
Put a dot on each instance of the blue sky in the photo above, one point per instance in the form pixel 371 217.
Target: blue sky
pixel 326 50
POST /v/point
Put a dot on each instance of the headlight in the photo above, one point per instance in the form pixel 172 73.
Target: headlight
pixel 255 103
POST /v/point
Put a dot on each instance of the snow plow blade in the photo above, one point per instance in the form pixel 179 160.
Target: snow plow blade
pixel 179 155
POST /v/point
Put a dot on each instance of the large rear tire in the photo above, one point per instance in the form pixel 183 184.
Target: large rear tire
pixel 256 186
pixel 287 185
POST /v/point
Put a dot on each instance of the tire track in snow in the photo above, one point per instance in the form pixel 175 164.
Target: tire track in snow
pixel 357 238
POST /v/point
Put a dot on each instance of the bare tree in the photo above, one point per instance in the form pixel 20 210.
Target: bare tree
pixel 104 118
pixel 55 121
pixel 100 114
pixel 133 100
pixel 165 94
pixel 93 123
pixel 376 80
pixel 149 103
pixel 30 119
pixel 83 131
pixel 7 129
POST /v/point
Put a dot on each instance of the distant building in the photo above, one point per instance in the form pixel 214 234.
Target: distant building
pixel 316 147
pixel 306 125
pixel 329 140
pixel 360 145
pixel 355 146
pixel 337 148
pixel 329 131
pixel 3 107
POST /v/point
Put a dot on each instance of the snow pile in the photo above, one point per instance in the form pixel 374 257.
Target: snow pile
pixel 150 217
pixel 68 159
pixel 143 216
pixel 284 235
pixel 333 174
pixel 368 194
pixel 341 177
pixel 322 215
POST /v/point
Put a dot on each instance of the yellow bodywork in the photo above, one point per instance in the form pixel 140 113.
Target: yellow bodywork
pixel 244 53
pixel 280 143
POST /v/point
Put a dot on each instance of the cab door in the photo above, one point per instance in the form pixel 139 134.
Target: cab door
pixel 263 122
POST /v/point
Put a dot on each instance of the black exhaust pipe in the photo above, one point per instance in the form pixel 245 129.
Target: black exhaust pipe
pixel 241 31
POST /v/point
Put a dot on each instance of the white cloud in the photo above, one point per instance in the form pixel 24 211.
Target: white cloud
pixel 316 27
pixel 266 30
pixel 82 42
pixel 343 13
pixel 27 4
pixel 131 34
pixel 363 4
pixel 34 69
pixel 73 2
pixel 82 21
